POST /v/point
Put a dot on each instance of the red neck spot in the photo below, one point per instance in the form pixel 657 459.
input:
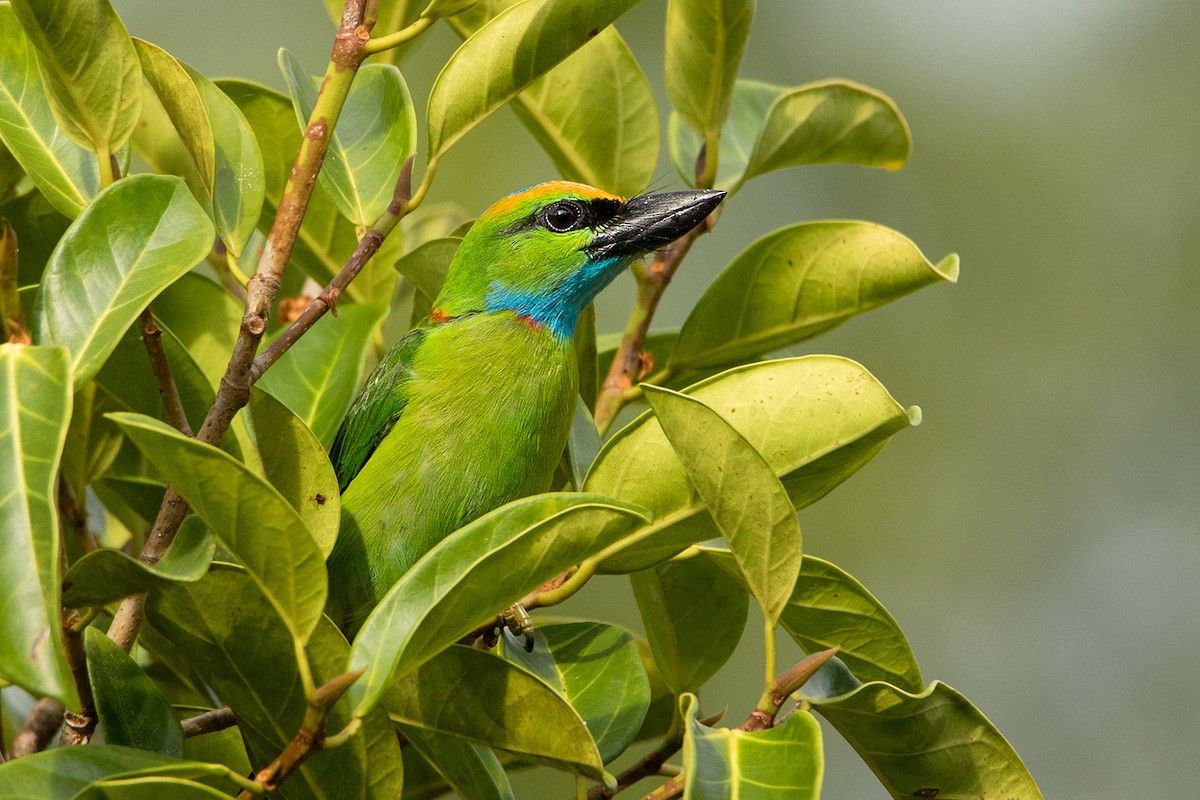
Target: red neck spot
pixel 438 315
pixel 530 322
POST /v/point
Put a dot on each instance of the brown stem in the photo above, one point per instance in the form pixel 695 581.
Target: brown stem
pixel 78 727
pixel 209 722
pixel 12 318
pixel 308 740
pixel 167 390
pixel 39 728
pixel 650 765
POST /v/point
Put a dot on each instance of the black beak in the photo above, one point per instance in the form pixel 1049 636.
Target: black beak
pixel 650 221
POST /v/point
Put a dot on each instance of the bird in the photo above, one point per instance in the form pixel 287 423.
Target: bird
pixel 472 408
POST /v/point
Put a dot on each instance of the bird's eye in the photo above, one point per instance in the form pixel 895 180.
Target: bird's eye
pixel 562 217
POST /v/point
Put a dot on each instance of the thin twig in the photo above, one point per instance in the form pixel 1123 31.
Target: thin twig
pixel 650 764
pixel 12 317
pixel 78 727
pixel 209 722
pixel 39 728
pixel 167 390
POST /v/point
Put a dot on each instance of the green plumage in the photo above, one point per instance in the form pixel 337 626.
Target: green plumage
pixel 472 408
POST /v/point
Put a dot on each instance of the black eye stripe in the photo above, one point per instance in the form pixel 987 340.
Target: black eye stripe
pixel 593 213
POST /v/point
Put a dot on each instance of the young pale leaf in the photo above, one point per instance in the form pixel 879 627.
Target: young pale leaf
pixel 375 133
pixel 797 282
pixel 318 377
pixel 694 614
pixel 134 239
pixel 180 98
pixel 296 465
pixel 831 122
pixel 248 515
pixel 326 238
pixel 816 420
pixel 505 56
pixel 597 669
pixel 749 504
pixel 64 172
pixel 594 114
pixel 470 769
pixel 151 787
pixel 747 110
pixel 35 408
pixel 721 763
pixel 931 744
pixel 226 627
pixel 105 576
pixel 476 572
pixel 477 696
pixel 705 42
pixel 72 769
pixel 829 608
pixel 89 68
pixel 131 708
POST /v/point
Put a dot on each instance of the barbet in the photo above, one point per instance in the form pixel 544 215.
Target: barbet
pixel 472 408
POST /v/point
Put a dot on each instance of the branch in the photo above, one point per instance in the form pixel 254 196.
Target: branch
pixel 309 739
pixel 12 317
pixel 650 765
pixel 167 390
pixel 209 722
pixel 77 727
pixel 39 728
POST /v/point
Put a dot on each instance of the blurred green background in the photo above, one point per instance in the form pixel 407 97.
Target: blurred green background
pixel 1038 536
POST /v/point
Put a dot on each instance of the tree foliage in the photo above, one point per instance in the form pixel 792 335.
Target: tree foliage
pixel 166 502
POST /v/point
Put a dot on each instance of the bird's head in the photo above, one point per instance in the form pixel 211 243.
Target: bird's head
pixel 545 252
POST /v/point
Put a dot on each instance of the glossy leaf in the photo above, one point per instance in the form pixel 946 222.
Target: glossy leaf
pixel 749 504
pixel 470 769
pixel 88 66
pixel 831 122
pixel 131 709
pixel 247 514
pixel 597 669
pixel 326 238
pixel 151 787
pixel 477 696
pixel 134 239
pixel 376 131
pixel 320 375
pixel 705 42
pixel 693 614
pixel 72 769
pixel 66 173
pixel 748 108
pixel 226 627
pixel 800 281
pixel 583 443
pixel 474 573
pixel 204 317
pixel 719 763
pixel 35 407
pixel 816 420
pixel 295 463
pixel 505 56
pixel 931 744
pixel 180 98
pixel 105 576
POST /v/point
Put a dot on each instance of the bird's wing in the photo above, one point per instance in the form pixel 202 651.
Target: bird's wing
pixel 376 409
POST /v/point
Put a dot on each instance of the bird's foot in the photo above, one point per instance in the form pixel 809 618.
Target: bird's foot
pixel 517 620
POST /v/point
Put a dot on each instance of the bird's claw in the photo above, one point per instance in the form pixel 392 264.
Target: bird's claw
pixel 517 620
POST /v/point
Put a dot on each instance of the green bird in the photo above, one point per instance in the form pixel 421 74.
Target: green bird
pixel 472 408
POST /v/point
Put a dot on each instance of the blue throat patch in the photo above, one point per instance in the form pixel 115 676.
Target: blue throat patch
pixel 559 309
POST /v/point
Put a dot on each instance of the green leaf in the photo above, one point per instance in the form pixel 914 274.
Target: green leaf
pixel 931 744
pixel 747 111
pixel 227 628
pixel 694 614
pixel 296 465
pixel 35 407
pixel 505 56
pixel 72 769
pixel 446 8
pixel 816 419
pixel 38 226
pixel 583 443
pixel 105 576
pixel 705 42
pixel 247 514
pixel 474 573
pixel 180 98
pixel 426 266
pixel 326 238
pixel 134 239
pixel 131 709
pixel 797 282
pixel 376 131
pixel 749 504
pixel 152 787
pixel 64 172
pixel 319 376
pixel 831 122
pixel 597 669
pixel 480 697
pixel 470 769
pixel 829 608
pixel 89 68
pixel 719 763
pixel 204 317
